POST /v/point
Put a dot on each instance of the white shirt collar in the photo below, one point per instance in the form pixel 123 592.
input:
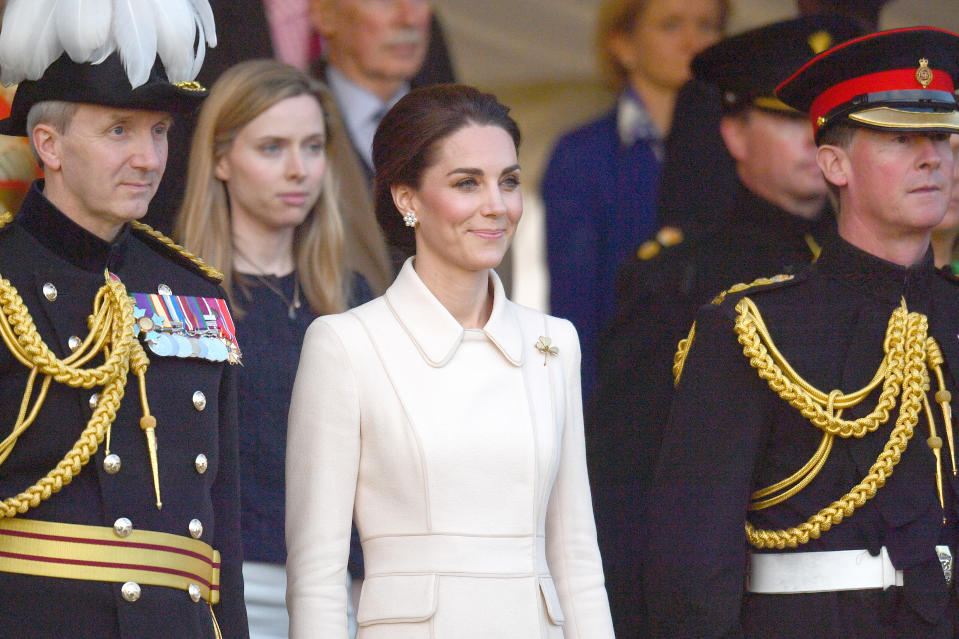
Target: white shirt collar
pixel 436 332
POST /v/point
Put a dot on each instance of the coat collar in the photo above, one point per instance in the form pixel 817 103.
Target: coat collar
pixel 436 333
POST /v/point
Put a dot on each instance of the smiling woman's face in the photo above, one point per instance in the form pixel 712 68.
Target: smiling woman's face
pixel 468 202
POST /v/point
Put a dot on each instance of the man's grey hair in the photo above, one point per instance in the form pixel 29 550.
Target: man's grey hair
pixel 56 113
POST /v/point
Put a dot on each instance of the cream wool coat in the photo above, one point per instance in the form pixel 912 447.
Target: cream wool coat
pixel 461 457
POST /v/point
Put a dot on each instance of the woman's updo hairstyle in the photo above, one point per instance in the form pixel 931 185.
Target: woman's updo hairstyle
pixel 409 135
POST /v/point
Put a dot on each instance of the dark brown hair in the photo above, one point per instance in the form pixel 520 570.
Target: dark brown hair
pixel 408 136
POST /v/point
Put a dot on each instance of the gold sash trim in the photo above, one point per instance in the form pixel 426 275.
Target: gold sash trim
pixel 96 553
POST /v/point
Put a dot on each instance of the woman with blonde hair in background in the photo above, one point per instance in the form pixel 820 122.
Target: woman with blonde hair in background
pixel 260 206
pixel 601 183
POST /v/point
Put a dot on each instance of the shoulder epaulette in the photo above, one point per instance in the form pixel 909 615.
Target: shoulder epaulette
pixel 947 274
pixel 5 218
pixel 665 237
pixel 761 284
pixel 195 261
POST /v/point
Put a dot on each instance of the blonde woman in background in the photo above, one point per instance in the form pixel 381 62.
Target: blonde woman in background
pixel 260 206
pixel 601 184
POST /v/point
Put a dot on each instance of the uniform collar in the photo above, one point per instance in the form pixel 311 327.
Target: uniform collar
pixel 65 238
pixel 754 213
pixel 877 277
pixel 436 333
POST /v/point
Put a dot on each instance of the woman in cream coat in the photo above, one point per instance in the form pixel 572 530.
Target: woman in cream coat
pixel 443 418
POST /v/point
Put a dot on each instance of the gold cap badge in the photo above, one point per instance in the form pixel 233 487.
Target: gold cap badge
pixel 819 41
pixel 924 73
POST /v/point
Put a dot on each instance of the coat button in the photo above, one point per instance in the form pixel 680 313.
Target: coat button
pixel 50 291
pixel 195 593
pixel 74 342
pixel 130 591
pixel 111 464
pixel 201 463
pixel 199 400
pixel 123 527
pixel 196 528
pixel 94 400
pixel 163 289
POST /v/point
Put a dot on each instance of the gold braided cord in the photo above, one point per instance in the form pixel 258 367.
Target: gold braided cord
pixel 795 482
pixel 116 322
pixel 808 400
pixel 210 271
pixel 111 333
pixel 682 350
pixel 906 338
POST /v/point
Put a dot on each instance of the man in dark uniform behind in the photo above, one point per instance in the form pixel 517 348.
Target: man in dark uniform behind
pixel 778 221
pixel 118 474
pixel 806 484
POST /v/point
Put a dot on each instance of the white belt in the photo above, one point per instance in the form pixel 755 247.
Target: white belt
pixel 824 571
pixel 455 554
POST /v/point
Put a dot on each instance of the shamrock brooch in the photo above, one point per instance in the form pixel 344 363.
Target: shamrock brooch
pixel 543 346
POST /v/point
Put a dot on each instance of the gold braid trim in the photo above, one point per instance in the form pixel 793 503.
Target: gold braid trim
pixel 210 271
pixel 111 331
pixel 682 348
pixel 903 367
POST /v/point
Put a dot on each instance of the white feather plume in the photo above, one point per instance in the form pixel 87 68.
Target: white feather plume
pixel 36 32
pixel 175 38
pixel 27 50
pixel 204 16
pixel 135 31
pixel 84 26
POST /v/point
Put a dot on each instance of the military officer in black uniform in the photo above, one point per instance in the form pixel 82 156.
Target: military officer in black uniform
pixel 779 220
pixel 118 471
pixel 806 484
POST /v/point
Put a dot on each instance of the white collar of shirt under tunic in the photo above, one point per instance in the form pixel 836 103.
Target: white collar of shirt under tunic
pixel 436 332
pixel 361 110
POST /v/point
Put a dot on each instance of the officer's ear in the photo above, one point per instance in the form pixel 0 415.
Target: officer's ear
pixel 733 130
pixel 45 139
pixel 834 163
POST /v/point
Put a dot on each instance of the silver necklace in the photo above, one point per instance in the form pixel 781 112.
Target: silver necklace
pixel 291 305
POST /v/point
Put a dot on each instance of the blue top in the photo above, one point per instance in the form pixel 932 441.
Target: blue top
pixel 600 199
pixel 271 344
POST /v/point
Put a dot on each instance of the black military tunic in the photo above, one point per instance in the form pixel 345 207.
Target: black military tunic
pixel 657 302
pixel 728 434
pixel 194 402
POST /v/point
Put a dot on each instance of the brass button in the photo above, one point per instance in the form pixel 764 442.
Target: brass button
pixel 199 400
pixel 50 291
pixel 74 342
pixel 163 289
pixel 111 464
pixel 94 400
pixel 195 593
pixel 130 591
pixel 201 463
pixel 123 527
pixel 196 528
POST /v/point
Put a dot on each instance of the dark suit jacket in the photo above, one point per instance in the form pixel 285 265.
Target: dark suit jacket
pixel 40 246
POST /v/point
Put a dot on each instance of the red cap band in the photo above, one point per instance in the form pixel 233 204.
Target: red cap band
pixel 896 80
